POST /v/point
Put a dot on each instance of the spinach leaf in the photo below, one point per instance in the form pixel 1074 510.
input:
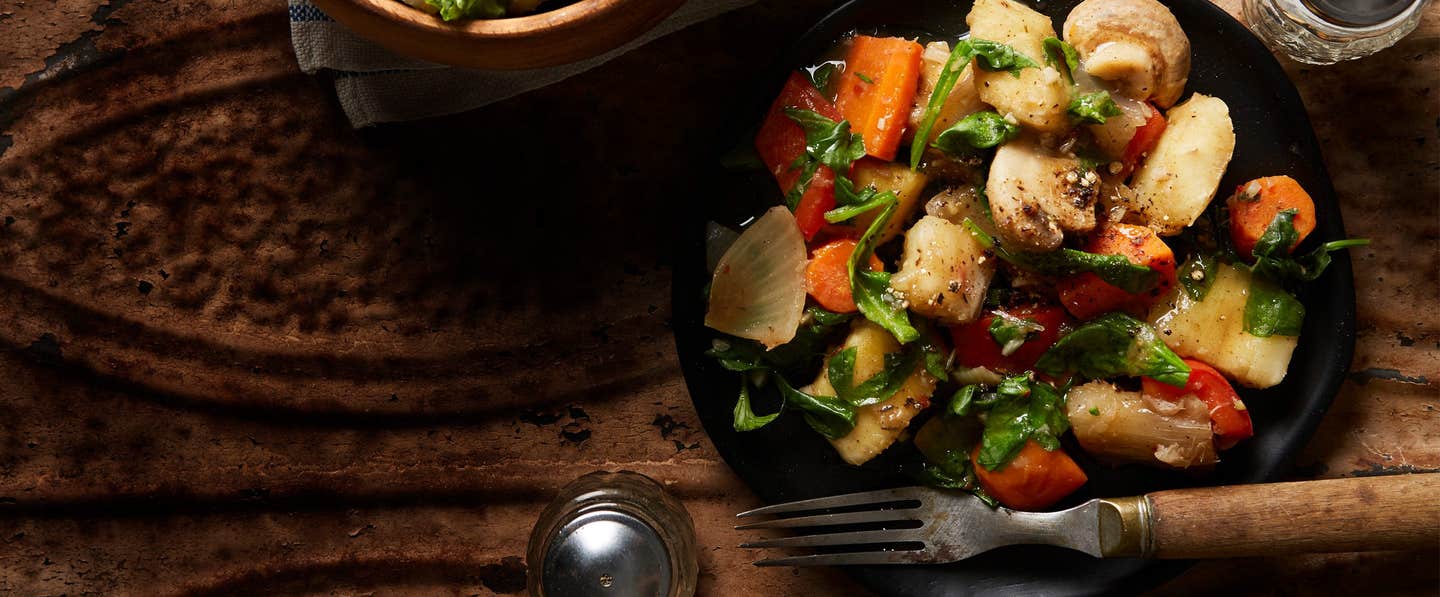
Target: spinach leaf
pixel 1197 274
pixel 1269 309
pixel 963 399
pixel 871 289
pixel 1027 410
pixel 881 386
pixel 1113 269
pixel 826 141
pixel 1115 345
pixel 1060 54
pixel 981 130
pixel 937 359
pixel 746 419
pixel 1011 332
pixel 992 56
pixel 807 168
pixel 827 415
pixel 995 56
pixel 817 329
pixel 1093 108
pixel 451 10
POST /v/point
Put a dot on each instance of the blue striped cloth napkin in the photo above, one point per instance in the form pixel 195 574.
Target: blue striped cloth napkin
pixel 376 85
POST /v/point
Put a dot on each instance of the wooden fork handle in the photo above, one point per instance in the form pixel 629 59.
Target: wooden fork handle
pixel 1399 512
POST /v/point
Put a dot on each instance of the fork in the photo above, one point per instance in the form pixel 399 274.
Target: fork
pixel 919 525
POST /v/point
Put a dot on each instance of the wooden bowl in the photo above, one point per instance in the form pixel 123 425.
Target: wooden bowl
pixel 567 34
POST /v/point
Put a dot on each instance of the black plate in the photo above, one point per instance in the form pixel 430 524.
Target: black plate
pixel 787 461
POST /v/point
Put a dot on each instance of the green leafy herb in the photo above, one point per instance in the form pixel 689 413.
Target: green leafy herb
pixel 1270 311
pixel 827 415
pixel 826 141
pixel 807 168
pixel 451 10
pixel 871 289
pixel 1197 274
pixel 993 56
pixel 937 359
pixel 821 74
pixel 981 130
pixel 1094 411
pixel 1093 108
pixel 1026 410
pixel 817 330
pixel 864 77
pixel 964 397
pixel 1115 345
pixel 852 203
pixel 1113 269
pixel 1011 332
pixel 1059 54
pixel 881 386
pixel 745 418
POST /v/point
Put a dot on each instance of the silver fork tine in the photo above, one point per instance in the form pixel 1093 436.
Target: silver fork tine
pixel 819 520
pixel 840 501
pixel 842 559
pixel 851 538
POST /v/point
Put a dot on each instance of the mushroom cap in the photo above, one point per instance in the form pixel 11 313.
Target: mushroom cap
pixel 1136 44
pixel 1037 195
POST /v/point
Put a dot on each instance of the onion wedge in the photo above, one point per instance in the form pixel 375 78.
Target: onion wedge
pixel 758 291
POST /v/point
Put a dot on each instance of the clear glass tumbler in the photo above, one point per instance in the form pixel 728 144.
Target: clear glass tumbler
pixel 1330 31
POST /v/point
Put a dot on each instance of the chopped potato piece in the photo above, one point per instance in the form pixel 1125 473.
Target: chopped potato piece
pixel 1178 179
pixel 944 272
pixel 1131 427
pixel 1039 97
pixel 1213 331
pixel 877 425
pixel 889 176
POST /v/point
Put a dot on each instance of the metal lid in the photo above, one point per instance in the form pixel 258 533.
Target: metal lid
pixel 607 553
pixel 613 535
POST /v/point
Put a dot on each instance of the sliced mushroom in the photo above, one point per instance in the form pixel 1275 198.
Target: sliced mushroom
pixel 1137 45
pixel 1037 195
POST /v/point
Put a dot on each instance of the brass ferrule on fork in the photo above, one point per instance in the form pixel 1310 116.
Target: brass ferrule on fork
pixel 1126 528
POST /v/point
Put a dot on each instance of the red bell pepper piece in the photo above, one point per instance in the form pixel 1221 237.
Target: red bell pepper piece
pixel 975 347
pixel 1228 416
pixel 781 142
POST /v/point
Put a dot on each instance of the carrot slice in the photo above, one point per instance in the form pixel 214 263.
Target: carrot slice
pixel 1255 204
pixel 1035 479
pixel 877 90
pixel 1086 295
pixel 827 277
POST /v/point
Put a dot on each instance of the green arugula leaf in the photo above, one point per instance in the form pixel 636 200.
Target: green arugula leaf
pixel 821 74
pixel 451 10
pixel 1113 269
pixel 817 331
pixel 1093 108
pixel 737 354
pixel 899 366
pixel 827 415
pixel 871 289
pixel 1197 274
pixel 937 359
pixel 807 168
pixel 993 56
pixel 1115 345
pixel 1062 56
pixel 746 419
pixel 981 130
pixel 1011 332
pixel 852 204
pixel 826 141
pixel 963 400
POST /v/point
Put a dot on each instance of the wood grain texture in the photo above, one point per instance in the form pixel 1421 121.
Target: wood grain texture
pixel 249 350
pixel 1386 513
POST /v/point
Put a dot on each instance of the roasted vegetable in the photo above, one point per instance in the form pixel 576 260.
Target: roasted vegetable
pixel 1131 427
pixel 876 425
pixel 1136 45
pixel 878 89
pixel 1256 203
pixel 1213 329
pixel 1037 195
pixel 1034 480
pixel 1086 295
pixel 1176 182
pixel 1037 97
pixel 758 291
pixel 944 272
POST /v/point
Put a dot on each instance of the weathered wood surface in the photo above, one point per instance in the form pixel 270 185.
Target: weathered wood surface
pixel 248 350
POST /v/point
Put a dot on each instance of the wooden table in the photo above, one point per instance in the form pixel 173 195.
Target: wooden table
pixel 250 350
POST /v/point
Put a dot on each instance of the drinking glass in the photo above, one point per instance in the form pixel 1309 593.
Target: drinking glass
pixel 1330 31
